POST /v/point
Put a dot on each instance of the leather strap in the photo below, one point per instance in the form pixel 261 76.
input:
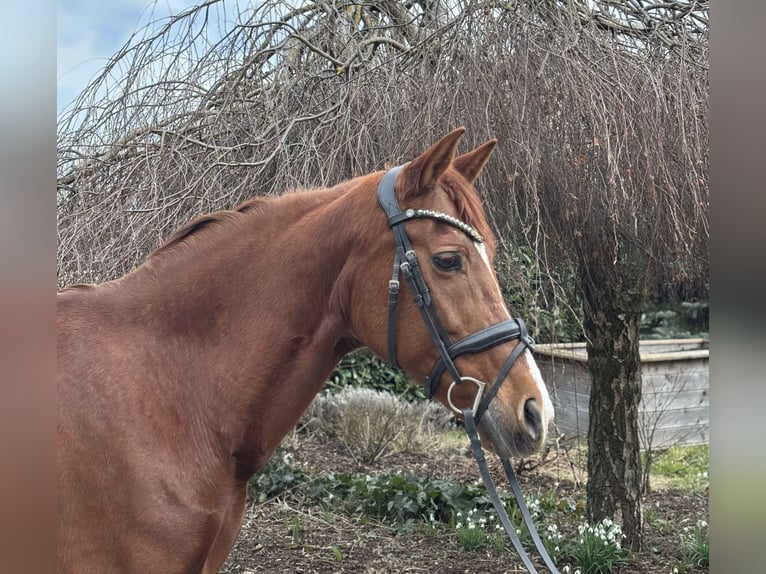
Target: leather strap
pixel 393 296
pixel 525 342
pixel 406 261
pixel 478 453
pixel 475 343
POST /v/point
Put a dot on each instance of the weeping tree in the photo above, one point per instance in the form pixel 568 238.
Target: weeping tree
pixel 609 171
pixel 600 182
pixel 209 107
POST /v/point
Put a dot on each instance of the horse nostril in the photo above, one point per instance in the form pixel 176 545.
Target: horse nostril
pixel 532 418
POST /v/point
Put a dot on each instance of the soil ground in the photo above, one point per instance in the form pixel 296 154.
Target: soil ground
pixel 286 534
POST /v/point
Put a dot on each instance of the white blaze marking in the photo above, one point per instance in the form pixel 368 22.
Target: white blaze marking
pixel 482 249
pixel 534 371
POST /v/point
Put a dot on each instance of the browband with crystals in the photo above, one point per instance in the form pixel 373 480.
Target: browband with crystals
pixel 439 216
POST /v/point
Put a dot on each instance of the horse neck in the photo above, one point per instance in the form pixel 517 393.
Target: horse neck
pixel 255 312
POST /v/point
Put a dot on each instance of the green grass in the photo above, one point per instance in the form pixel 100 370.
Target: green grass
pixel 683 466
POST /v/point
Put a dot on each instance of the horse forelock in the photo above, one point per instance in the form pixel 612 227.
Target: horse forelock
pixel 469 208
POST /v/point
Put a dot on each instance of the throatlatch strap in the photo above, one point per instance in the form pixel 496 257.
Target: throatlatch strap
pixel 478 453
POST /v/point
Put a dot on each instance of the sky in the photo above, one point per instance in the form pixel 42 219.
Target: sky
pixel 89 32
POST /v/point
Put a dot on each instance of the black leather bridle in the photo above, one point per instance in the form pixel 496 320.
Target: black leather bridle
pixel 406 263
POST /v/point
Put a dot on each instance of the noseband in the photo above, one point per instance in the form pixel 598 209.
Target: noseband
pixel 406 263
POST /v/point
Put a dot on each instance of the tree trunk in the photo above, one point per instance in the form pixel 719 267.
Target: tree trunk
pixel 612 308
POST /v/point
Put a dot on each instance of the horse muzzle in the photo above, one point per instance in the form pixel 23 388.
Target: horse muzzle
pixel 523 436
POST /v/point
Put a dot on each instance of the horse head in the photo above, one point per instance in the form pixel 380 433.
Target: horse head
pixel 434 228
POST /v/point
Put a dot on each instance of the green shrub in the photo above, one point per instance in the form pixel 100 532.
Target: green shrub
pixel 363 369
pixel 397 498
pixel 274 479
pixel 675 320
pixel 549 305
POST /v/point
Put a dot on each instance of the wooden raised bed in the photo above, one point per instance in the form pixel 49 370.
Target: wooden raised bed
pixel 674 404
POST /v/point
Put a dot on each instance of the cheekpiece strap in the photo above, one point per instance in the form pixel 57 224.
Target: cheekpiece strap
pixel 406 261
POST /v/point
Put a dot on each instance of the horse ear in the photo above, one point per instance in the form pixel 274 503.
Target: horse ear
pixel 470 164
pixel 421 174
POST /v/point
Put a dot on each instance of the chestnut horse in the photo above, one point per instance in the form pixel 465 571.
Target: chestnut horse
pixel 177 381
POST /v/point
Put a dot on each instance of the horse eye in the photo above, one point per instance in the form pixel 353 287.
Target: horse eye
pixel 447 261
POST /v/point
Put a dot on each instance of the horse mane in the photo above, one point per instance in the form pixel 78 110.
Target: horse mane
pixel 204 223
pixel 79 287
pixel 465 199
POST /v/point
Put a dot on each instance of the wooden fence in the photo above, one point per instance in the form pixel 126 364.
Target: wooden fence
pixel 675 379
